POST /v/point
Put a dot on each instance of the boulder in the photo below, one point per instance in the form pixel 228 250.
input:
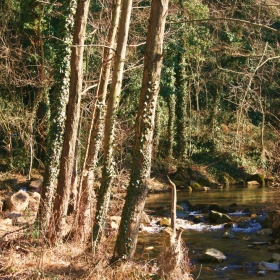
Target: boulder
pixel 212 255
pixel 217 207
pixel 181 214
pixel 201 207
pixel 269 266
pixel 165 222
pixel 18 202
pixel 196 186
pixel 272 220
pixel 219 218
pixel 275 257
pixel 259 178
pixel 35 183
pixel 265 232
pixel 226 179
pixel 34 201
pixel 186 205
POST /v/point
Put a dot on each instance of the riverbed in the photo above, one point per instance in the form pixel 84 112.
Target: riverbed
pixel 244 251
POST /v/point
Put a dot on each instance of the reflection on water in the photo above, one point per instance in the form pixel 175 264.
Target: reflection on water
pixel 250 195
pixel 242 259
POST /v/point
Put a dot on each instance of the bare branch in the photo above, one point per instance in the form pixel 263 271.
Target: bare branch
pixel 229 19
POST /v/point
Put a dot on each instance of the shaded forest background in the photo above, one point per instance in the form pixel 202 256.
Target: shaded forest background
pixel 219 96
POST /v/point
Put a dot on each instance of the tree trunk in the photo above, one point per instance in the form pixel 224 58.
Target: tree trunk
pixel 171 123
pixel 138 188
pixel 58 98
pixel 109 137
pixel 181 108
pixel 72 124
pixel 95 134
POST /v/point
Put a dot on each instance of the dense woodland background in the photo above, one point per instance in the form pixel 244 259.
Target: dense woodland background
pixel 218 104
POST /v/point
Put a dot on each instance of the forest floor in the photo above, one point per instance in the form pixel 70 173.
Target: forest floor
pixel 25 253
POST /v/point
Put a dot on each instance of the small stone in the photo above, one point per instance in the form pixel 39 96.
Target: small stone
pixel 212 255
pixel 261 273
pixel 275 257
pixel 228 235
pixel 265 232
pixel 12 215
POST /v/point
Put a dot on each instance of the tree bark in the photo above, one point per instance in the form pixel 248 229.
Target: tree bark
pixel 109 137
pixel 72 124
pixel 138 188
pixel 95 135
pixel 181 108
pixel 58 98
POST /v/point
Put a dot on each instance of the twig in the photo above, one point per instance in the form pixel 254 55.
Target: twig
pixel 10 232
pixel 173 207
pixel 199 272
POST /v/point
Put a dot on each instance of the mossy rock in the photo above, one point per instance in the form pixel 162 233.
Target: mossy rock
pixel 217 207
pixel 196 186
pixel 257 177
pixel 165 222
pixel 226 179
pixel 219 218
pixel 240 182
pixel 178 184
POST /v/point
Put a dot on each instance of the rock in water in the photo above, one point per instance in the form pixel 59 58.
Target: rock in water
pixel 211 255
pixel 219 218
pixel 269 266
pixel 18 202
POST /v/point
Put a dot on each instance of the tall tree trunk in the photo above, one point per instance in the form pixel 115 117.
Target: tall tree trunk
pixel 110 119
pixel 138 188
pixel 95 134
pixel 171 123
pixel 72 124
pixel 58 98
pixel 181 108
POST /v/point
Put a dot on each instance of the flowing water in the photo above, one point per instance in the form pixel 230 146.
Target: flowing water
pixel 243 252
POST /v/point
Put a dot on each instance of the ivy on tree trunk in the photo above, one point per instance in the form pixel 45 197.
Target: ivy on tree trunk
pixel 142 151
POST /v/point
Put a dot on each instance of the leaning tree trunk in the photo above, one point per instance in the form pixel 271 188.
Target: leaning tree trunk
pixel 72 124
pixel 58 98
pixel 109 137
pixel 95 134
pixel 138 188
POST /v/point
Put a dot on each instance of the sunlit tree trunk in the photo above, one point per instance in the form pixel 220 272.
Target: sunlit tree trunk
pixel 138 188
pixel 95 135
pixel 58 98
pixel 109 134
pixel 72 124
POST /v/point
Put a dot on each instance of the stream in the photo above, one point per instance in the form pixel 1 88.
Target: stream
pixel 243 252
